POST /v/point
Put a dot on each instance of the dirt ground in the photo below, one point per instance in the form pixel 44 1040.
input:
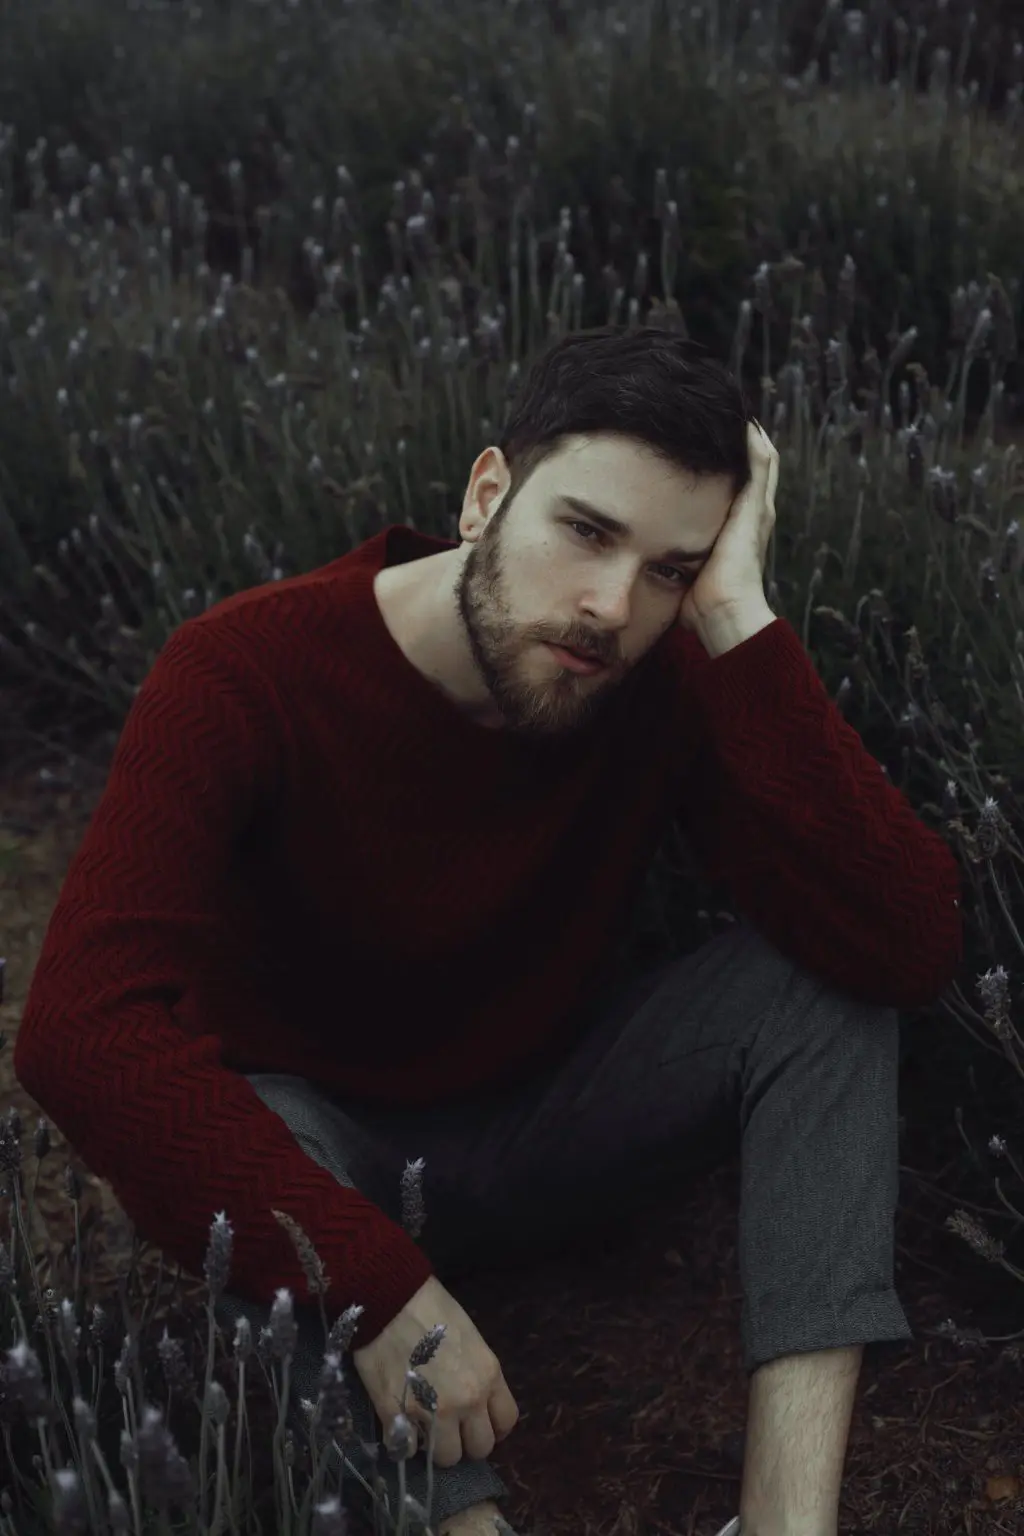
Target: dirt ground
pixel 625 1360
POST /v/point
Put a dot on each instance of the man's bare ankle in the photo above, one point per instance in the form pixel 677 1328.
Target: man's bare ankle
pixel 477 1518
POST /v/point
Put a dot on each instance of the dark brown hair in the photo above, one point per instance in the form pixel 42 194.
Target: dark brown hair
pixel 642 382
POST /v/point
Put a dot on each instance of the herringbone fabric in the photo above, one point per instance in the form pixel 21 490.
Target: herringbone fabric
pixel 307 860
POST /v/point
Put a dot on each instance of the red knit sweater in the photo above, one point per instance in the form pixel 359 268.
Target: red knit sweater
pixel 307 860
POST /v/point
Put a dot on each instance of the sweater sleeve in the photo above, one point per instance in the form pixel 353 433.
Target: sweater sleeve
pixel 786 807
pixel 150 1107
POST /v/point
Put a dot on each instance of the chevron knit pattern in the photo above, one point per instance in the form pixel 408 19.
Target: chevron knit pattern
pixel 307 860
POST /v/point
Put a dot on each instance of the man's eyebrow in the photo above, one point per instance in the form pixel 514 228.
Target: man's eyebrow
pixel 619 530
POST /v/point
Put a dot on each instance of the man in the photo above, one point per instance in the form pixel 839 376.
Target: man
pixel 351 895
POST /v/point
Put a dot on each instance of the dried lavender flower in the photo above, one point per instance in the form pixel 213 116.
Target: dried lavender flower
pixel 23 1380
pixel 329 1519
pixel 163 1472
pixel 117 1512
pixel 422 1391
pixel 243 1339
pixel 41 1139
pixel 343 1327
pixel 216 1403
pixel 989 832
pixel 10 1148
pixel 428 1346
pixel 414 1212
pixel 85 1419
pixel 217 1264
pixel 70 1512
pixel 284 1332
pixel 400 1440
pixel 309 1259
pixel 177 1373
pixel 975 1235
pixel 335 1407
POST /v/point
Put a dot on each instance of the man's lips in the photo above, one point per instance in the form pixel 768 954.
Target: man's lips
pixel 585 659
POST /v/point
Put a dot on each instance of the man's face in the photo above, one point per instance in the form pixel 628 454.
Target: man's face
pixel 540 571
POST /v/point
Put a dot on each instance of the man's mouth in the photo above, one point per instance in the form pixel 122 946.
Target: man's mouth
pixel 586 660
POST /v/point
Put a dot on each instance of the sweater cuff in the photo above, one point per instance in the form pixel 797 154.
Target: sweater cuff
pixel 398 1270
pixel 758 675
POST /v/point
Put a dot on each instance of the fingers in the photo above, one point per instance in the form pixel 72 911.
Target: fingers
pixel 504 1409
pixel 478 1437
pixel 764 459
pixel 762 449
pixel 448 1444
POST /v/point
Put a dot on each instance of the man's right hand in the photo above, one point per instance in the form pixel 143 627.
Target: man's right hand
pixel 474 1405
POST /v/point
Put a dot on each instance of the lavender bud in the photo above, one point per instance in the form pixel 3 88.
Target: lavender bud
pixel 243 1339
pixel 975 1235
pixel 23 1380
pixel 216 1403
pixel 989 832
pixel 343 1327
pixel 415 1510
pixel 283 1330
pixel 335 1409
pixel 85 1419
pixel 217 1265
pixel 329 1519
pixel 100 1332
pixel 309 1259
pixel 400 1440
pixel 41 1141
pixel 10 1149
pixel 164 1475
pixel 117 1511
pixel 943 486
pixel 70 1512
pixel 177 1374
pixel 413 1211
pixel 129 1454
pixel 122 1366
pixel 428 1346
pixel 72 1183
pixel 422 1391
pixel 69 1330
pixel 950 808
pixel 994 990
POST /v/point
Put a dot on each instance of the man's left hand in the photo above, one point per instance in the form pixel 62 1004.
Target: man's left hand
pixel 732 581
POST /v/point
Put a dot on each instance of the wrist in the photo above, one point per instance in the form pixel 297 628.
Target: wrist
pixel 725 628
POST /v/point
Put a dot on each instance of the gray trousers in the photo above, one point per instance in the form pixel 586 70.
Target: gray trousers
pixel 731 1047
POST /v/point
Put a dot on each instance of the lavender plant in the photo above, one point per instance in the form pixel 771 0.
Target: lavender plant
pixel 73 1488
pixel 159 387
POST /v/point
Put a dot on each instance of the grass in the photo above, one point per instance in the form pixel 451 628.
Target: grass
pixel 171 435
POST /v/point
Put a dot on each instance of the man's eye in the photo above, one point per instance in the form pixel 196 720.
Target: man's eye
pixel 587 528
pixel 679 577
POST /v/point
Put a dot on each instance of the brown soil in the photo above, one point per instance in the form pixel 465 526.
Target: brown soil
pixel 625 1361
